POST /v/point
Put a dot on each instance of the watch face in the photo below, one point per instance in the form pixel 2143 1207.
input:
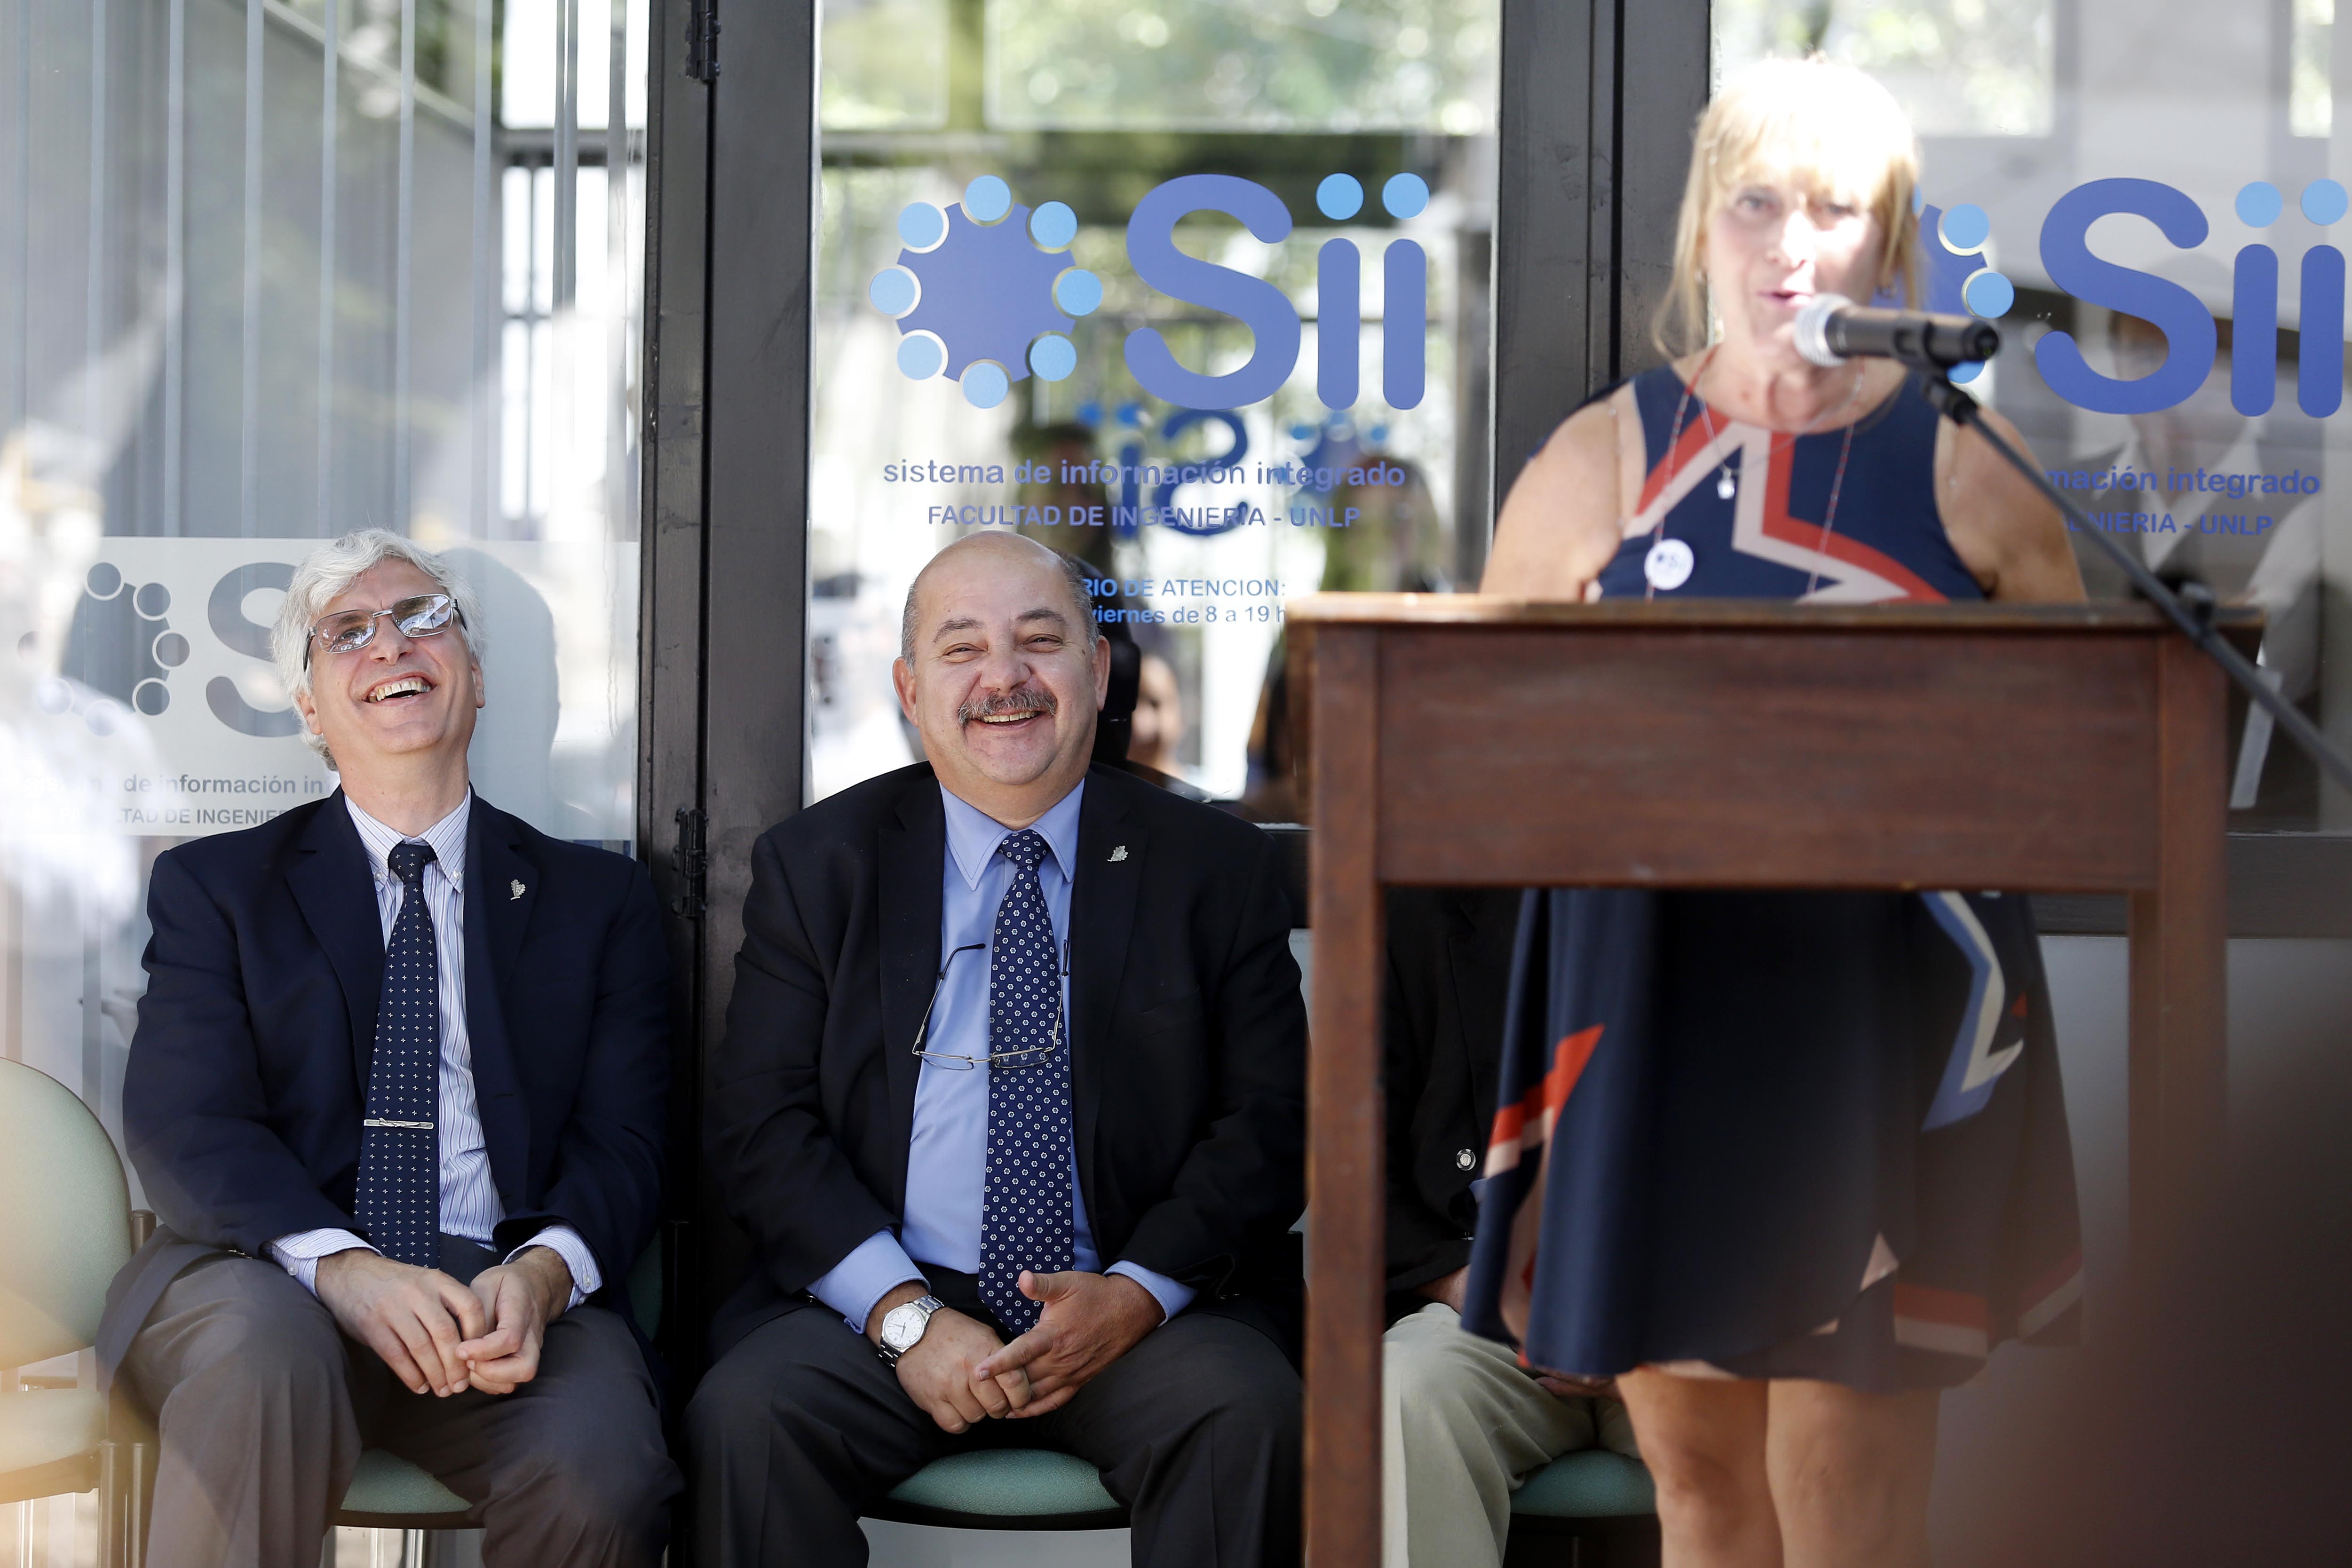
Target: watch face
pixel 902 1326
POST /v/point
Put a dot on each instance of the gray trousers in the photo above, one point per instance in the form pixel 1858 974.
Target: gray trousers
pixel 1462 1426
pixel 800 1425
pixel 263 1407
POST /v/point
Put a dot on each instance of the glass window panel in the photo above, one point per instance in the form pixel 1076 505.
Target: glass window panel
pixel 2198 431
pixel 1961 68
pixel 2311 102
pixel 262 283
pixel 885 65
pixel 1200 520
pixel 1280 65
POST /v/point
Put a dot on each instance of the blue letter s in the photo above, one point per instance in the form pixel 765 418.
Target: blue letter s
pixel 1259 305
pixel 2187 324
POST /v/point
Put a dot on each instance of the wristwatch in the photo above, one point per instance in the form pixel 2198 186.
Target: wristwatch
pixel 903 1326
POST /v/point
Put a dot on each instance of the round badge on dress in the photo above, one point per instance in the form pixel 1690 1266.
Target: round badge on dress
pixel 1668 565
pixel 1464 1160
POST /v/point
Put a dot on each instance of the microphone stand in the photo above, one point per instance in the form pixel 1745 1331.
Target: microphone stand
pixel 2191 610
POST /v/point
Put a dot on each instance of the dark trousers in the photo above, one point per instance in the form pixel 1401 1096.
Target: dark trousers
pixel 800 1425
pixel 263 1407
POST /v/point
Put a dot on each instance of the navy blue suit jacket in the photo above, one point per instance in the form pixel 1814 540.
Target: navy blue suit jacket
pixel 248 1074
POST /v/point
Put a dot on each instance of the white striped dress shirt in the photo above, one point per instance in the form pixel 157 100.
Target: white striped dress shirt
pixel 470 1205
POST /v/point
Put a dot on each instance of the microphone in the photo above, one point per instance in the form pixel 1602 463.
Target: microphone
pixel 1832 329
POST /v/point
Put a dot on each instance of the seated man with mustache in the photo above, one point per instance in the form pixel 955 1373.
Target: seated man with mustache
pixel 1012 1104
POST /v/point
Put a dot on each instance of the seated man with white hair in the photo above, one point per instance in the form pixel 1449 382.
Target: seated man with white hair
pixel 396 1097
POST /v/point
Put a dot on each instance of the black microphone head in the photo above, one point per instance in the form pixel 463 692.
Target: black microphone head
pixel 1973 341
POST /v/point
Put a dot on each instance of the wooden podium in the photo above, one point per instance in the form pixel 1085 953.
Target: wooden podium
pixel 1458 741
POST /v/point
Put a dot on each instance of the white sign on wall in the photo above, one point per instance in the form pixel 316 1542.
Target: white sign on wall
pixel 167 653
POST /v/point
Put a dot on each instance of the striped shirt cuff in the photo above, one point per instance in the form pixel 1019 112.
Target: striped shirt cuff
pixel 565 1243
pixel 299 1254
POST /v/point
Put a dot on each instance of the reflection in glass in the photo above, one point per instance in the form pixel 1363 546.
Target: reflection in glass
pixel 1959 67
pixel 2232 479
pixel 1283 64
pixel 1001 242
pixel 271 270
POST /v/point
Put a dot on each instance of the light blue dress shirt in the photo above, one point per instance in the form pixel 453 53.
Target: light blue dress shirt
pixel 947 1158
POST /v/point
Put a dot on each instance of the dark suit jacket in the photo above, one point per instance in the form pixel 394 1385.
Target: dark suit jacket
pixel 1187 1041
pixel 1449 975
pixel 248 1074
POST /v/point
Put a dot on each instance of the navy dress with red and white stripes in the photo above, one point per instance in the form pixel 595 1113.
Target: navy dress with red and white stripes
pixel 1779 1134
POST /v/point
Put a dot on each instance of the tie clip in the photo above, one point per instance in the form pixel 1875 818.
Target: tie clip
pixel 383 1122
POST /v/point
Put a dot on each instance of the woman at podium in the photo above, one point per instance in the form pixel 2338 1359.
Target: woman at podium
pixel 1784 1165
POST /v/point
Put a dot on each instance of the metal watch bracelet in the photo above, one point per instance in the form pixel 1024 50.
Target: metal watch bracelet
pixel 896 1341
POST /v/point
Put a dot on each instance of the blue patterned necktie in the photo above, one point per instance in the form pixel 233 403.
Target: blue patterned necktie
pixel 400 1176
pixel 1025 1210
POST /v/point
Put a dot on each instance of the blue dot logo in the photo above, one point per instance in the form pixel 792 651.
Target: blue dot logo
pixel 1988 294
pixel 1340 196
pixel 922 225
pixel 1405 195
pixel 2323 202
pixel 1053 226
pixel 983 291
pixel 985 385
pixel 1078 291
pixel 894 291
pixel 1966 229
pixel 2260 203
pixel 987 199
pixel 1053 357
pixel 921 356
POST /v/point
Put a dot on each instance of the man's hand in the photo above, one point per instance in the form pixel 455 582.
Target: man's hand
pixel 519 1299
pixel 415 1319
pixel 1451 1289
pixel 941 1374
pixel 1089 1322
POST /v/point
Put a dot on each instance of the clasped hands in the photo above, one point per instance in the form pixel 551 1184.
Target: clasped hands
pixel 438 1335
pixel 960 1373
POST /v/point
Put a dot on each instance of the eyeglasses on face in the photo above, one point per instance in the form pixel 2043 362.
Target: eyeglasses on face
pixel 1028 1056
pixel 348 631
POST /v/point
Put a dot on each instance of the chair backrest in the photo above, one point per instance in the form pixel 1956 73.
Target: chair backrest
pixel 65 1221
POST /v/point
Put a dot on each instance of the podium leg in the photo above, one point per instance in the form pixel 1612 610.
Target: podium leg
pixel 2180 953
pixel 1346 1230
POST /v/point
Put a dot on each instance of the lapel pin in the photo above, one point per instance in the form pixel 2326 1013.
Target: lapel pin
pixel 518 891
pixel 1119 854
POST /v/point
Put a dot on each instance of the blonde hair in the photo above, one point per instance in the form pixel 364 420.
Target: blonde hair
pixel 1824 125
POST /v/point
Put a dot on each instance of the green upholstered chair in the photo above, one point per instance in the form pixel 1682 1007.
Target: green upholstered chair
pixel 65 1230
pixel 1593 1507
pixel 1036 1488
pixel 1591 1483
pixel 387 1492
pixel 1004 1489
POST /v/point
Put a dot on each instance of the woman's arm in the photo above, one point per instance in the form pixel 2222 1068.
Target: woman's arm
pixel 2007 534
pixel 1560 525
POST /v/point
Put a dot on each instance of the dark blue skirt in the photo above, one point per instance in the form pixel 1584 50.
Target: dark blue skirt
pixel 1777 1134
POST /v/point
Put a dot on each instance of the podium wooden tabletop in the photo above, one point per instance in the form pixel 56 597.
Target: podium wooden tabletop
pixel 1744 614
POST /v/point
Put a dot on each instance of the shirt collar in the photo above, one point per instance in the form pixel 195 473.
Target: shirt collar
pixel 973 834
pixel 447 838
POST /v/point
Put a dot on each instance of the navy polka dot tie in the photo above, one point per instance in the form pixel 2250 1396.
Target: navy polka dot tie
pixel 1024 1216
pixel 400 1178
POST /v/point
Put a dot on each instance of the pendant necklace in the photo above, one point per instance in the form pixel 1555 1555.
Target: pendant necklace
pixel 1670 562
